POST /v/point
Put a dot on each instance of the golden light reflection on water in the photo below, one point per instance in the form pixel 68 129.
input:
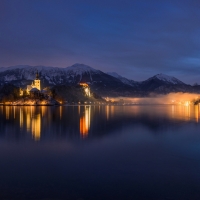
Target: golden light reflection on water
pixel 44 110
pixel 21 117
pixel 7 112
pixel 14 112
pixel 79 110
pixel 28 121
pixel 32 119
pixel 85 122
pixel 197 111
pixel 173 111
pixel 107 112
pixel 181 112
pixel 36 127
pixel 112 110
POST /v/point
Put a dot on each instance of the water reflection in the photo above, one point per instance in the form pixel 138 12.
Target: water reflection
pixel 85 121
pixel 21 117
pixel 7 112
pixel 60 112
pixel 89 121
pixel 36 127
pixel 140 142
pixel 20 120
pixel 196 109
pixel 30 119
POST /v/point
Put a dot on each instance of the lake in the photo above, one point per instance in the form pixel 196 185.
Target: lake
pixel 100 152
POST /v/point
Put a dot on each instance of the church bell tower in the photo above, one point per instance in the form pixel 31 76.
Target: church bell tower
pixel 37 81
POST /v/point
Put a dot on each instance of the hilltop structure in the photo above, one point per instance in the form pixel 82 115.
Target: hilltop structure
pixel 35 84
pixel 35 87
pixel 86 88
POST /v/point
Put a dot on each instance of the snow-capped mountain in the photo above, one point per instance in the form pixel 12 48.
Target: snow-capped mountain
pixel 164 84
pixel 123 79
pixel 49 75
pixel 105 84
pixel 99 81
pixel 167 79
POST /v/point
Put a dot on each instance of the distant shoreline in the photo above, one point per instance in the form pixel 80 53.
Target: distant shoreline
pixel 101 104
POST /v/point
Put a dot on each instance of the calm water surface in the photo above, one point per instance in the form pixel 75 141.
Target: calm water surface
pixel 100 152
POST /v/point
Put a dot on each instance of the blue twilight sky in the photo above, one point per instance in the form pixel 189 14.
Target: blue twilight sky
pixel 135 38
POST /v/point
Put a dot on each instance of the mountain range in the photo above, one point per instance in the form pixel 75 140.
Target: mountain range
pixel 105 84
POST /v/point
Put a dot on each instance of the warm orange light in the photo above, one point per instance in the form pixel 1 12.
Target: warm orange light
pixel 107 112
pixel 85 123
pixel 21 118
pixel 7 112
pixel 28 120
pixel 83 127
pixel 196 112
pixel 187 103
pixel 83 84
pixel 36 127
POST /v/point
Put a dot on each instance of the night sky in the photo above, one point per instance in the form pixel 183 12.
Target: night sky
pixel 136 39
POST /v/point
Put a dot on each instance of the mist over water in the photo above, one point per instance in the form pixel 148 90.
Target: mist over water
pixel 100 152
pixel 171 98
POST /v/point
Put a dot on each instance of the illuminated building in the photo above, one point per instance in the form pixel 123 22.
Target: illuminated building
pixel 86 88
pixel 35 84
pixel 21 92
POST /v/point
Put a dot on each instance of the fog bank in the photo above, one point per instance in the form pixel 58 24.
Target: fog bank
pixel 172 98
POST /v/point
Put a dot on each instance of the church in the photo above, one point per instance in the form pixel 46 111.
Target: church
pixel 35 84
pixel 34 87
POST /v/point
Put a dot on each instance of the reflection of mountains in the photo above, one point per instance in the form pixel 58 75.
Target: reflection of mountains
pixel 90 121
